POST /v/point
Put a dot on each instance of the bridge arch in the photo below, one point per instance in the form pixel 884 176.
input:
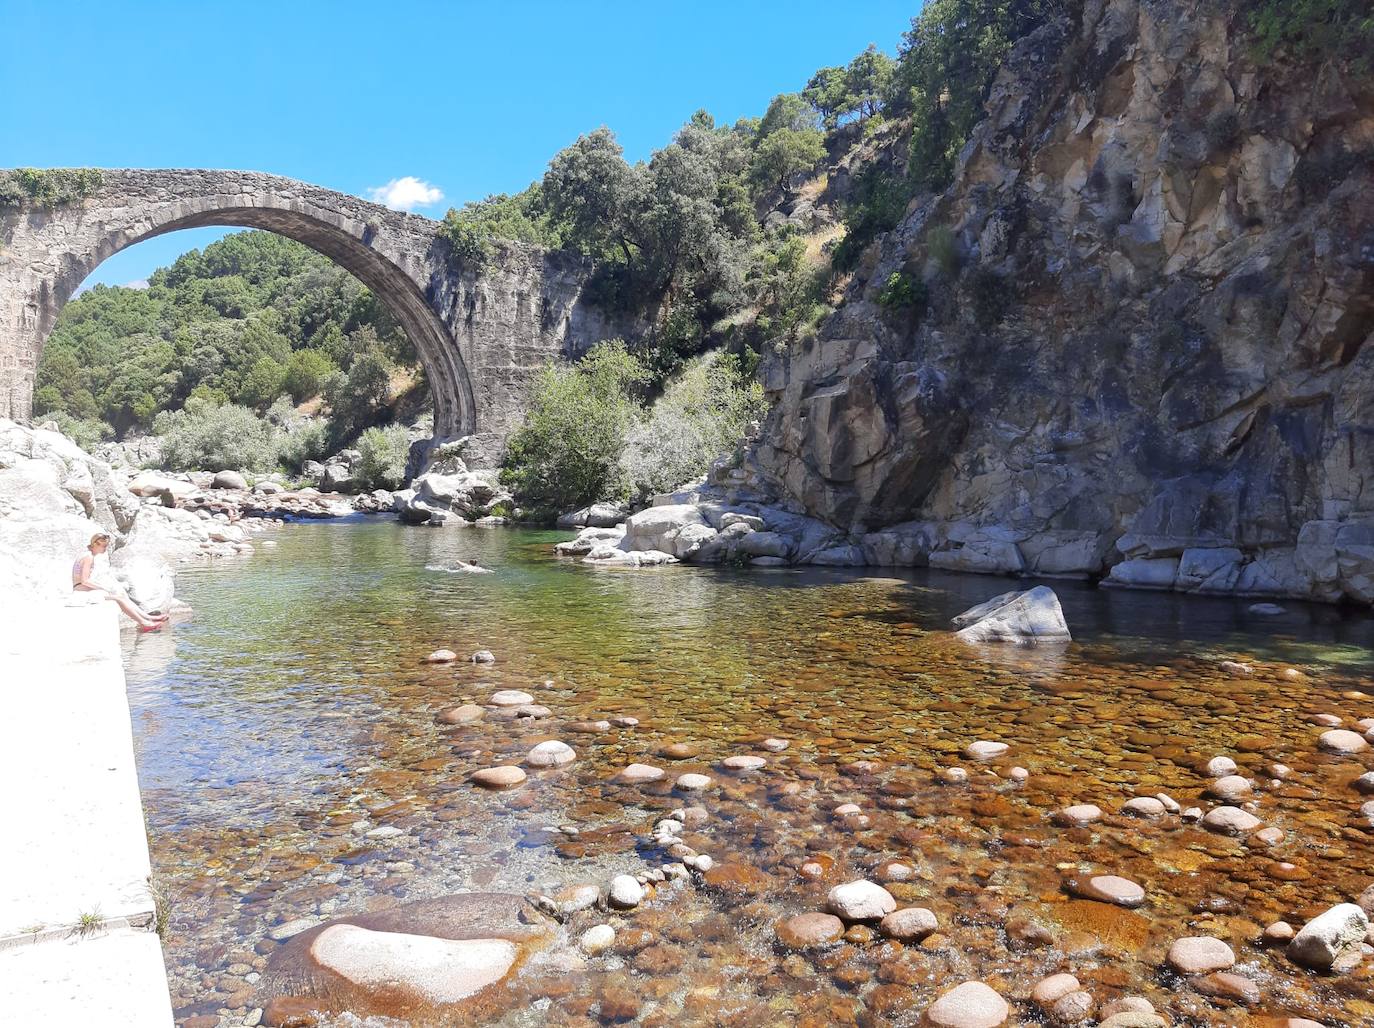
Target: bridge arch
pixel 47 254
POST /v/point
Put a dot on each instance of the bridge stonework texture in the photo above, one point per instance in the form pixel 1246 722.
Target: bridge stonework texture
pixel 482 333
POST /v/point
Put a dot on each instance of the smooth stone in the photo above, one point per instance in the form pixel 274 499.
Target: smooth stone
pixel 1268 836
pixel 384 832
pixel 910 924
pixel 1331 939
pixel 626 892
pixel 1108 889
pixel 846 809
pixel 807 930
pixel 533 710
pixel 441 657
pixel 952 775
pixel 1078 815
pixel 551 754
pixel 1128 1005
pixel 1047 990
pixel 1073 1008
pixel 1018 774
pixel 1342 740
pixel 463 715
pixel 1133 1019
pixel 291 929
pixel 483 657
pixel 572 898
pixel 1327 720
pixel 970 1005
pixel 1228 985
pixel 679 751
pixel 1230 820
pixel 625 722
pixel 743 763
pixel 691 782
pixel 501 777
pixel 596 939
pixel 860 900
pixel 985 750
pixel 775 745
pixel 1143 806
pixel 1200 954
pixel 1229 788
pixel 1278 933
pixel 440 970
pixel 637 773
pixel 1365 783
pixel 1266 609
pixel 510 698
pixel 1220 767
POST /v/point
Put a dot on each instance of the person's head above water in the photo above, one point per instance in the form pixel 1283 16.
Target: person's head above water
pixel 99 543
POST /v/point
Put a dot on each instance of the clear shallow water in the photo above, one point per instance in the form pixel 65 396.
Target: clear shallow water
pixel 293 714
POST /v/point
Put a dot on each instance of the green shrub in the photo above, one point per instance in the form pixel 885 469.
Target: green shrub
pixel 875 205
pixel 903 293
pixel 567 453
pixel 262 384
pixel 1314 29
pixel 943 250
pixel 382 464
pixel 303 441
pixel 47 187
pixel 306 373
pixel 87 433
pixel 700 416
pixel 356 398
pixel 208 437
pixel 467 241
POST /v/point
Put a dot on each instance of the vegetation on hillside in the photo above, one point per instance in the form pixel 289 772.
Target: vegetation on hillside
pixel 249 320
pixel 1320 29
pixel 590 435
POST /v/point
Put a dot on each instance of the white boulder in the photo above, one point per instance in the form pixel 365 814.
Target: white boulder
pixel 1028 618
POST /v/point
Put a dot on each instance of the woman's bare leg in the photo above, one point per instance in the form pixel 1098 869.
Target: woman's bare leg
pixel 133 610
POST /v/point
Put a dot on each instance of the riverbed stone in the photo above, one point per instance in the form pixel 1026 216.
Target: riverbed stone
pixel 1230 987
pixel 692 782
pixel 1230 820
pixel 860 900
pixel 596 939
pixel 505 776
pixel 1200 954
pixel 985 750
pixel 637 774
pixel 910 924
pixel 1342 741
pixel 465 714
pixel 805 931
pixel 483 657
pixel 1143 806
pixel 968 1005
pixel 1332 940
pixel 1078 815
pixel 1220 767
pixel 510 698
pixel 1108 889
pixel 551 753
pixel 438 970
pixel 441 657
pixel 1229 788
pixel 625 892
pixel 743 762
pixel 1047 990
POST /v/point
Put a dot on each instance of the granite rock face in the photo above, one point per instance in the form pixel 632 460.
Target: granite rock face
pixel 1145 358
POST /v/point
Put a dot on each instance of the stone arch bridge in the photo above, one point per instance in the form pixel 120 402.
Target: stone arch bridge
pixel 481 332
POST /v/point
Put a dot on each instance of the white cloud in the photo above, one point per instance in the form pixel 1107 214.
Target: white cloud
pixel 405 194
pixel 138 283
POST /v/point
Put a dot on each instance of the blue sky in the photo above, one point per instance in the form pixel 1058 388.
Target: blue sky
pixel 469 98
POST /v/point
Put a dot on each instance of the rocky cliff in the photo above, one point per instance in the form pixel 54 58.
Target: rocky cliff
pixel 1143 356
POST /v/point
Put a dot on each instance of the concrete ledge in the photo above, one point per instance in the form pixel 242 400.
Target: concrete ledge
pixel 76 912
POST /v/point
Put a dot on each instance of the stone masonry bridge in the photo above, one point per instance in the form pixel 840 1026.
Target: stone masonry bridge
pixel 481 333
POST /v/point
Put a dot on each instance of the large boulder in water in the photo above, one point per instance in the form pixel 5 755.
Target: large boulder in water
pixel 598 515
pixel 1028 618
pixel 431 960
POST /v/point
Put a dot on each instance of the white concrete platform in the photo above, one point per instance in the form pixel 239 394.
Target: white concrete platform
pixel 77 944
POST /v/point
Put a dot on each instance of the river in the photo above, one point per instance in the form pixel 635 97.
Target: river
pixel 294 714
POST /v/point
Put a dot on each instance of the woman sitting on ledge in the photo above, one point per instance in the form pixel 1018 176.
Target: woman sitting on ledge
pixel 83 581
